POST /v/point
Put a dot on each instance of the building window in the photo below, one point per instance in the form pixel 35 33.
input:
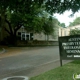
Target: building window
pixel 19 33
pixel 25 36
pixel 31 36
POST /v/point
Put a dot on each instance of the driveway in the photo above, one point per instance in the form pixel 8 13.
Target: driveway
pixel 28 61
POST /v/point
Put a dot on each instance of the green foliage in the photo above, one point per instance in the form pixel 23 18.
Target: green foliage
pixel 49 25
pixel 29 13
pixel 15 19
pixel 75 22
pixel 51 6
pixel 60 6
pixel 35 26
pixel 34 14
pixel 62 25
pixel 75 32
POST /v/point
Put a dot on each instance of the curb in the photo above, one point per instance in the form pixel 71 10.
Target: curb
pixel 3 50
pixel 16 77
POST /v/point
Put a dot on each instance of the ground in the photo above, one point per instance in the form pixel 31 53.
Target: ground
pixel 28 61
pixel 9 51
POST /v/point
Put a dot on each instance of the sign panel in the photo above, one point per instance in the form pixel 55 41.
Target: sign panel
pixel 69 47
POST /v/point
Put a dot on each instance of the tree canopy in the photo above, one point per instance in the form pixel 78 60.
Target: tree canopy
pixel 29 13
pixel 75 32
pixel 75 22
pixel 60 6
pixel 51 6
pixel 62 25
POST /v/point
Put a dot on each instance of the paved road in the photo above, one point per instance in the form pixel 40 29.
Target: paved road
pixel 30 62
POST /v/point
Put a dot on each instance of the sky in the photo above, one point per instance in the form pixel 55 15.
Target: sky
pixel 65 17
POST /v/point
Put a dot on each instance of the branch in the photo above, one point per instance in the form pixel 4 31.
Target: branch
pixel 7 30
pixel 9 24
pixel 18 27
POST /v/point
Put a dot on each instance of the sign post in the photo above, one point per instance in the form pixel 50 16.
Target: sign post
pixel 69 47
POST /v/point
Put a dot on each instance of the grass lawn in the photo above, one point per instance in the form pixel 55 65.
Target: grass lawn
pixel 61 73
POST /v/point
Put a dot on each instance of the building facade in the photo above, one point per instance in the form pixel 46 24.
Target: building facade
pixel 24 35
pixel 66 31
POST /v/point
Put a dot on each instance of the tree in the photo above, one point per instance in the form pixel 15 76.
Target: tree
pixel 50 26
pixel 75 32
pixel 60 6
pixel 18 14
pixel 31 18
pixel 75 22
pixel 62 25
pixel 51 6
pixel 25 12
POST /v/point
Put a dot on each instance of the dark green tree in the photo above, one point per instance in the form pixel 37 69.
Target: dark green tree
pixel 51 6
pixel 50 26
pixel 75 32
pixel 60 6
pixel 25 12
pixel 12 17
pixel 62 25
pixel 75 22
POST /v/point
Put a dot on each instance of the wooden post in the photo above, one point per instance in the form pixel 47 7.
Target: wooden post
pixel 60 62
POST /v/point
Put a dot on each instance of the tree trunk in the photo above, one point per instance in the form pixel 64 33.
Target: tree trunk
pixel 10 31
